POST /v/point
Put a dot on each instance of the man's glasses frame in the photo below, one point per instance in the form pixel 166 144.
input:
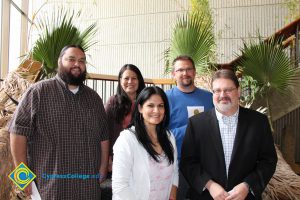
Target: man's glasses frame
pixel 226 91
pixel 187 70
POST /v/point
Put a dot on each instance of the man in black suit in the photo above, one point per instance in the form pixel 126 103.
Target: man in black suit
pixel 228 153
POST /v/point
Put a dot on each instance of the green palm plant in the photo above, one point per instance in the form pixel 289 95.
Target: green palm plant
pixel 192 36
pixel 55 32
pixel 268 64
pixel 201 6
pixel 250 89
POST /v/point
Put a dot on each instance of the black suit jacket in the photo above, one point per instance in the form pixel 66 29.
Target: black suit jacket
pixel 253 158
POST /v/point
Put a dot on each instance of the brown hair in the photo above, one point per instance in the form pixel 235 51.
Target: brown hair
pixel 226 74
pixel 183 57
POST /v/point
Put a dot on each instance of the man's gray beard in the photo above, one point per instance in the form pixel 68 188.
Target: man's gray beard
pixel 224 107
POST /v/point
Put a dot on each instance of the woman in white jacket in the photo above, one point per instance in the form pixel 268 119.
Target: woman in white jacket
pixel 145 155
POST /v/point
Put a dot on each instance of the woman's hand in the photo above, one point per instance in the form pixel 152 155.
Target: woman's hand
pixel 173 193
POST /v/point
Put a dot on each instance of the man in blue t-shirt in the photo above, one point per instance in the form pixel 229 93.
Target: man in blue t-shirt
pixel 185 100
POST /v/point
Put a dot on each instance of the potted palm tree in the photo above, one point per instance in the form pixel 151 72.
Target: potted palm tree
pixel 192 36
pixel 54 33
pixel 270 67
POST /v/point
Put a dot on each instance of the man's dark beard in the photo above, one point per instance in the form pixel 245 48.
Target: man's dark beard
pixel 69 78
pixel 188 84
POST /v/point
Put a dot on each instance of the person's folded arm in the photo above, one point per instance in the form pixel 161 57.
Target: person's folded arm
pixel 104 160
pixel 18 145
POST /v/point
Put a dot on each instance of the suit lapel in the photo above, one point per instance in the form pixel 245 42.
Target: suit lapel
pixel 216 137
pixel 240 132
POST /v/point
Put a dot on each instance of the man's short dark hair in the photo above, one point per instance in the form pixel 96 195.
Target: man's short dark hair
pixel 183 57
pixel 226 74
pixel 62 52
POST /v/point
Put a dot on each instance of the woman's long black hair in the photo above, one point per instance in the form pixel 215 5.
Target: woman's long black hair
pixel 122 105
pixel 161 128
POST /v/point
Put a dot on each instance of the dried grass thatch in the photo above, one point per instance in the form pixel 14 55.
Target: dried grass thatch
pixel 6 165
pixel 203 81
pixel 13 87
pixel 285 183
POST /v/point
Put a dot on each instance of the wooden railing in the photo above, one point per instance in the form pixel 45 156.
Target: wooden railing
pixel 106 85
pixel 290 121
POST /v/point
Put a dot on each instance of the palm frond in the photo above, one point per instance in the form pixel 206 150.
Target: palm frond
pixel 55 32
pixel 192 36
pixel 268 64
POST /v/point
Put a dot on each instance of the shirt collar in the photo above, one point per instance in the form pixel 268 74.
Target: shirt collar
pixel 220 116
pixel 57 77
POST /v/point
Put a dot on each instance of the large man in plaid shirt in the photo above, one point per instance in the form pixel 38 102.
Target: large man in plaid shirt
pixel 60 131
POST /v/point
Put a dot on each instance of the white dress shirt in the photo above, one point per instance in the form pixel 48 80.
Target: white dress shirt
pixel 228 125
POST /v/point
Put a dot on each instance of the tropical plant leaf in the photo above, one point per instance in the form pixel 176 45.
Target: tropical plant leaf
pixel 249 90
pixel 269 65
pixel 55 32
pixel 192 36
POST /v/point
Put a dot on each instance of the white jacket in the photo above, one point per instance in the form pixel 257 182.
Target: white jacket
pixel 130 177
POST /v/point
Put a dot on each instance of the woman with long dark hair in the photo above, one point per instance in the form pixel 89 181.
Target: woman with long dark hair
pixel 145 155
pixel 119 106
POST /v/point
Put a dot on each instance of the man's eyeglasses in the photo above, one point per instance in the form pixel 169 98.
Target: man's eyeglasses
pixel 73 60
pixel 187 70
pixel 226 91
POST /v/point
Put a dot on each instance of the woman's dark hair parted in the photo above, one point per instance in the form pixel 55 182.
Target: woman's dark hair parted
pixel 139 75
pixel 161 129
pixel 123 103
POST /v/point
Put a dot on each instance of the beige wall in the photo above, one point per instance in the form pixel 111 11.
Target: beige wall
pixel 138 31
pixel 236 21
pixel 130 31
